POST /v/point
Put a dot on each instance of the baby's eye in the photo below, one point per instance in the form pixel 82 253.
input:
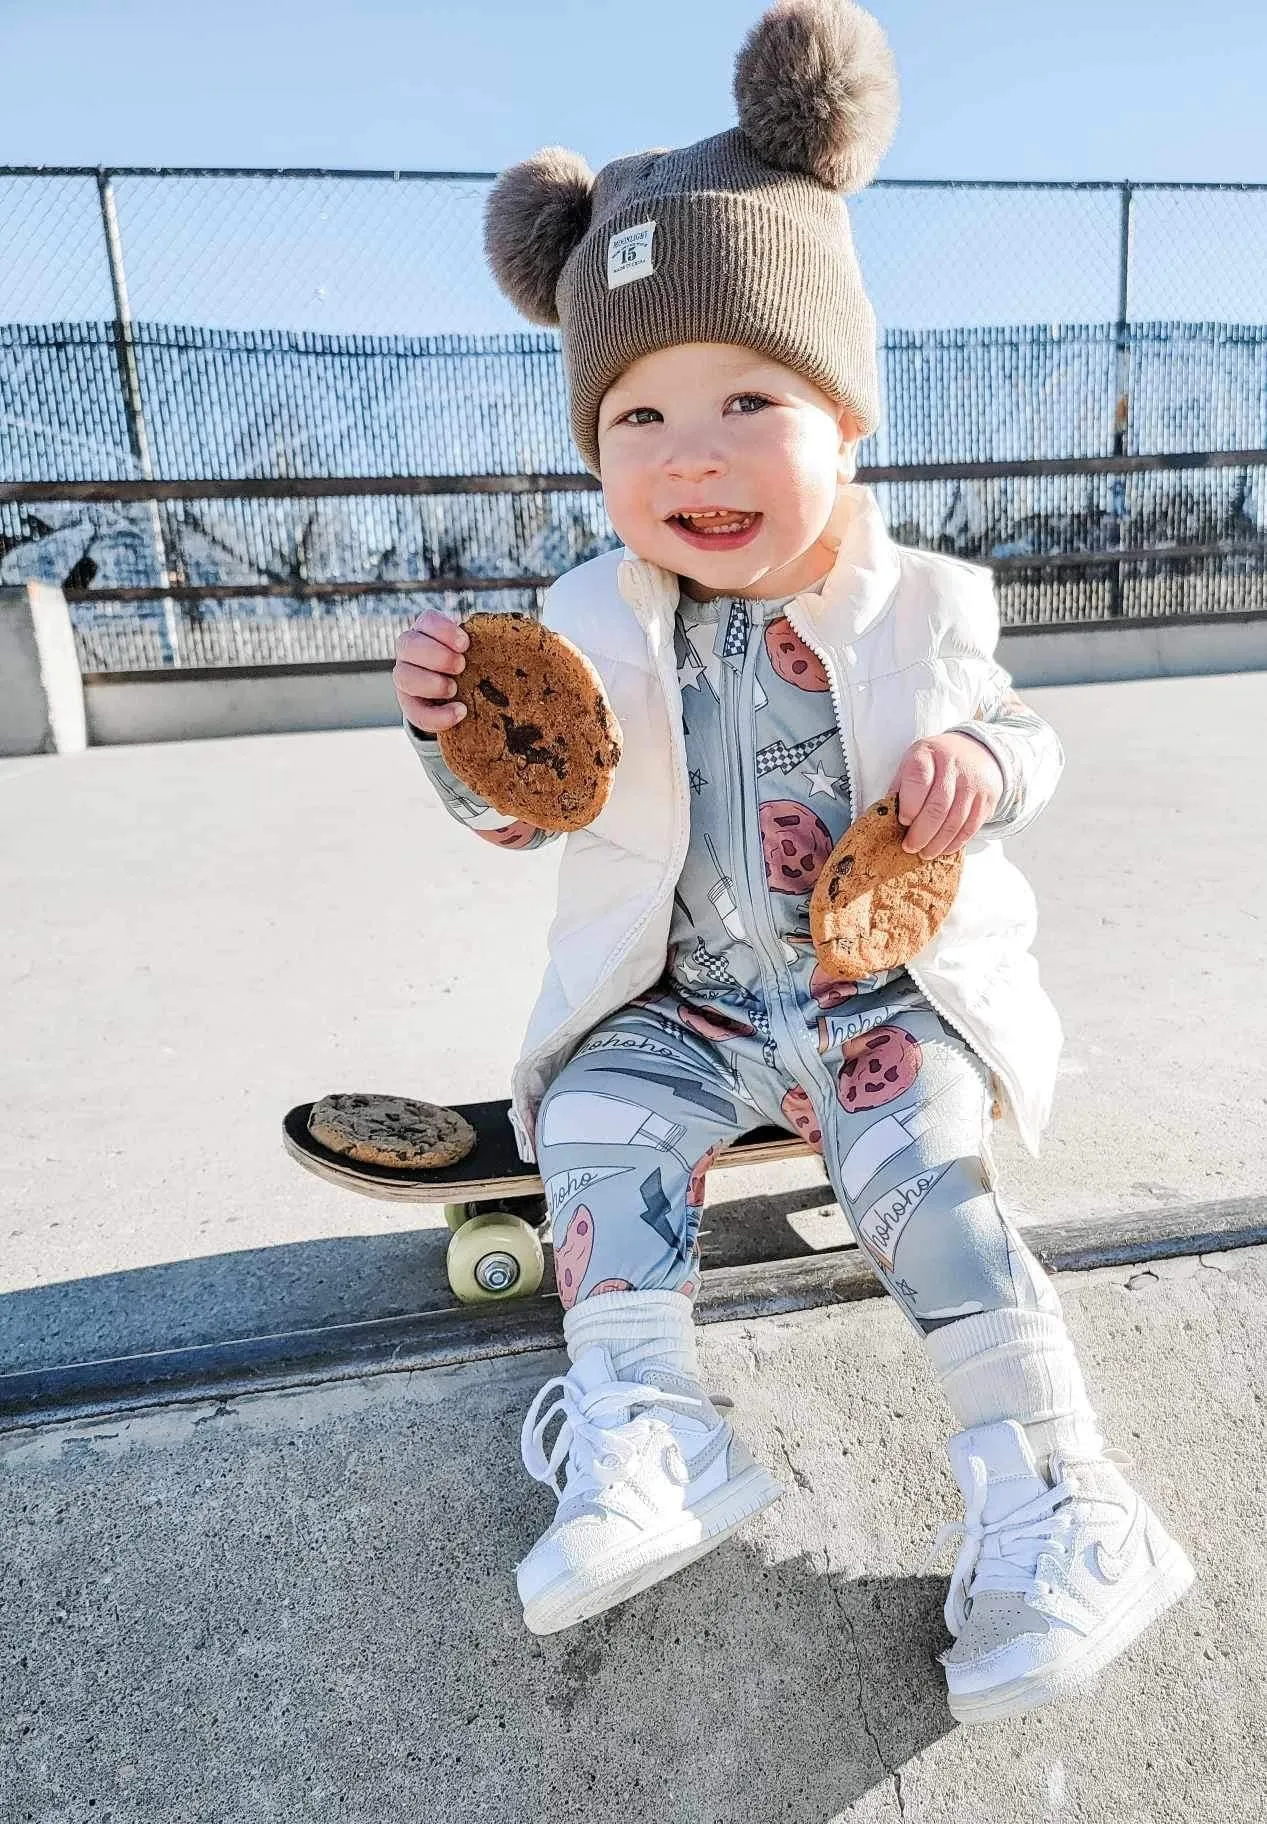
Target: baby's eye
pixel 756 400
pixel 636 417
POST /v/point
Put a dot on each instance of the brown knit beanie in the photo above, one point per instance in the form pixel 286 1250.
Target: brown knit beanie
pixel 741 238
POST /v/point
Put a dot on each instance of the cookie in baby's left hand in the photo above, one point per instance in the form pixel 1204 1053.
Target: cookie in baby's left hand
pixel 874 906
pixel 539 739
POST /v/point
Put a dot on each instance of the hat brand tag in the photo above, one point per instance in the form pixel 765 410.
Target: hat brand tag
pixel 629 255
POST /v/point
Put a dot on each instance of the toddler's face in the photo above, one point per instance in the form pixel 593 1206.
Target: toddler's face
pixel 704 426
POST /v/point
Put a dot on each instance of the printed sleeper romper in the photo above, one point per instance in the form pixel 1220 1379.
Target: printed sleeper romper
pixel 744 1028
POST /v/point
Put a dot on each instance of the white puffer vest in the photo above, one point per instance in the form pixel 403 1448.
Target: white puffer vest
pixel 907 639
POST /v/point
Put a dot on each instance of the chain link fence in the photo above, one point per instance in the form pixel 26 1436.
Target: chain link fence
pixel 230 326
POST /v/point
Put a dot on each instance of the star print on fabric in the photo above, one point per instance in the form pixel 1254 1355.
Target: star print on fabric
pixel 907 1291
pixel 820 783
pixel 779 757
pixel 698 781
pixel 701 664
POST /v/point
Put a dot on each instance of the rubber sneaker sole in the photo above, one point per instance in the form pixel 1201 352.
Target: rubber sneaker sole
pixel 1168 1580
pixel 579 1595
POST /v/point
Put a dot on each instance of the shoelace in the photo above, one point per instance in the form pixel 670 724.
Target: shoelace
pixel 598 1454
pixel 1004 1554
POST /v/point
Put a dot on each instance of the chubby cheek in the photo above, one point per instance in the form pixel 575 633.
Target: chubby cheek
pixel 798 480
pixel 627 495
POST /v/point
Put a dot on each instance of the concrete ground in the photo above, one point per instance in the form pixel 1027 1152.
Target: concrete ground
pixel 197 936
pixel 297 1609
pixel 299 1606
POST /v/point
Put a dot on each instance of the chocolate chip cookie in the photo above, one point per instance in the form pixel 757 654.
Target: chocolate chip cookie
pixel 391 1130
pixel 539 739
pixel 874 906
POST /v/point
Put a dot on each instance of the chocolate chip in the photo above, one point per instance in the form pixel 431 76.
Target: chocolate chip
pixel 523 740
pixel 488 689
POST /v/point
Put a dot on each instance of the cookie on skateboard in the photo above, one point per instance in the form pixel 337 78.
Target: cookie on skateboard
pixel 493 1202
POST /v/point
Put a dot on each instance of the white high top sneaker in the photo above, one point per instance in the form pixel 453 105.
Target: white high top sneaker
pixel 654 1477
pixel 1055 1577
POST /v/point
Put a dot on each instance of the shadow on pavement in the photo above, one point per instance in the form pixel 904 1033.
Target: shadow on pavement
pixel 308 1284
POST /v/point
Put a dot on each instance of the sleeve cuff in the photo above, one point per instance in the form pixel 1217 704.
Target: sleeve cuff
pixel 985 734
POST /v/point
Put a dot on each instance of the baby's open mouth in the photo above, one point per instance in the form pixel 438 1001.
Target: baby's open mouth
pixel 716 523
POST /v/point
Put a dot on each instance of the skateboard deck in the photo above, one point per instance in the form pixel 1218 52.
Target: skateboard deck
pixel 493 1169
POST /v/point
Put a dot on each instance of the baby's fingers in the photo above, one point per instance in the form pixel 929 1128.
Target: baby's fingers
pixel 431 718
pixel 912 783
pixel 422 681
pixel 426 647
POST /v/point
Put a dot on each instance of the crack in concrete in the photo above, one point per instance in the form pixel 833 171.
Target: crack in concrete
pixel 798 1474
pixel 892 1773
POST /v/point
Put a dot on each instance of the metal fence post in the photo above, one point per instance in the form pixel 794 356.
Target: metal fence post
pixel 134 404
pixel 1122 381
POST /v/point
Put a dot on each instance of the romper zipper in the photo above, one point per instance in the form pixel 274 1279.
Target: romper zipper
pixel 794 1034
pixel 846 734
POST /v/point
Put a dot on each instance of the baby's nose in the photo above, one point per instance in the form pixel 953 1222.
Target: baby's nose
pixel 691 463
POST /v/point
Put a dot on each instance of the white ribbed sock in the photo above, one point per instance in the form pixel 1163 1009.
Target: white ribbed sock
pixel 635 1328
pixel 1021 1365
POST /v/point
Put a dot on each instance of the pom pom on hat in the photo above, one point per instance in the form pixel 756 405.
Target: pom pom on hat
pixel 816 90
pixel 536 214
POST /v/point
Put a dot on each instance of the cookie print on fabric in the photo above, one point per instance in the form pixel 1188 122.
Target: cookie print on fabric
pixel 791 657
pixel 799 1111
pixel 572 1255
pixel 879 1066
pixel 796 845
pixel 609 1285
pixel 517 835
pixel 828 990
pixel 695 1185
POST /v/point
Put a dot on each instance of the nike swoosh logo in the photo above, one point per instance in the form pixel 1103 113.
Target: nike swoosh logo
pixel 1113 1565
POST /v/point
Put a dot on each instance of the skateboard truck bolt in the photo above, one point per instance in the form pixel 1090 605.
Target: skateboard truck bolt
pixel 497 1272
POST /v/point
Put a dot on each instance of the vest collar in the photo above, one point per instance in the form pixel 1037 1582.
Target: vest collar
pixel 853 595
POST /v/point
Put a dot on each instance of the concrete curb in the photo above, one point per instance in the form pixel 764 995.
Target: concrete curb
pixel 459 1334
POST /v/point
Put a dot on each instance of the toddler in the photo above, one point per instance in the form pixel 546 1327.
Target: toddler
pixel 777 663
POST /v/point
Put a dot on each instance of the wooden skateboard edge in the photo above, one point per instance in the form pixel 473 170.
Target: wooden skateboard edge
pixel 400 1185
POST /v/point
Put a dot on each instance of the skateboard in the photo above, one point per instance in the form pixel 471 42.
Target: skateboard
pixel 494 1204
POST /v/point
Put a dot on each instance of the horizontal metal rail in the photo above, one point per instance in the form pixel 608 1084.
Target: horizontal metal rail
pixel 290 487
pixel 315 487
pixel 235 592
pixel 411 176
pixel 454 585
pixel 1138 554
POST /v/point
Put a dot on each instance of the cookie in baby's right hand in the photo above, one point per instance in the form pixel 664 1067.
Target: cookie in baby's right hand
pixel 539 739
pixel 874 906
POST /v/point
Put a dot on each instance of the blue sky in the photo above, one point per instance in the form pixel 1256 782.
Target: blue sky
pixel 992 88
pixel 1089 89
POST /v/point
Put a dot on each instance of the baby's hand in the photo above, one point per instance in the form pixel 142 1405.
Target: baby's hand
pixel 947 786
pixel 428 656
